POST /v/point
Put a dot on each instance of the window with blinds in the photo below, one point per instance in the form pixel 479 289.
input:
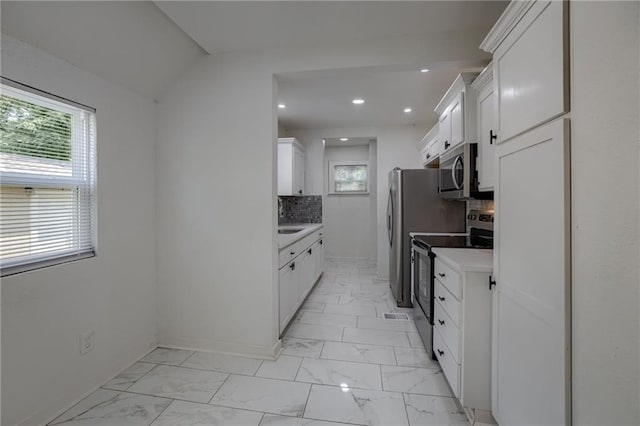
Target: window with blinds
pixel 47 179
pixel 348 177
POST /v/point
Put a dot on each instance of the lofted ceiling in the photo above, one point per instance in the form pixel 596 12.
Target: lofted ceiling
pixel 323 99
pixel 145 46
pixel 132 44
pixel 224 26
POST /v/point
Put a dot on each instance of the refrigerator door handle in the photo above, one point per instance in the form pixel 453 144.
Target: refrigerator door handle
pixel 390 218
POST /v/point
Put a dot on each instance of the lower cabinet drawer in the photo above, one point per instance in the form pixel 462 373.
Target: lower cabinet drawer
pixel 447 276
pixel 448 330
pixel 450 368
pixel 450 304
pixel 286 254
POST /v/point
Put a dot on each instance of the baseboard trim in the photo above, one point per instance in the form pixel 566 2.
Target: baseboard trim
pixel 226 348
pixel 86 394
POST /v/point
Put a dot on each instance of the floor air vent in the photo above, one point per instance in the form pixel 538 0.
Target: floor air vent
pixel 396 316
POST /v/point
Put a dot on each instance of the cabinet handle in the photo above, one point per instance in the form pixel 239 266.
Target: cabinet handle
pixel 292 253
pixel 492 137
pixel 320 242
pixel 293 266
pixel 440 352
pixel 441 322
pixel 492 282
pixel 309 251
pixel 441 298
pixel 446 144
pixel 441 274
pixel 300 191
pixel 428 156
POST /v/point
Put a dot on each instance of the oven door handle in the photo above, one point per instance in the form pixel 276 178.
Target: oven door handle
pixel 420 250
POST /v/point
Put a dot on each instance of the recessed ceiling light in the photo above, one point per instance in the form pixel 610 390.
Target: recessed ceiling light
pixel 282 106
pixel 358 101
pixel 408 110
pixel 424 70
pixel 344 139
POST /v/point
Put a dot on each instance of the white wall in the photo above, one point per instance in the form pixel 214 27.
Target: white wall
pixel 605 112
pixel 45 311
pixel 216 203
pixel 347 218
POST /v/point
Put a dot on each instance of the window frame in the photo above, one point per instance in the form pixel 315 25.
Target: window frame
pixel 84 183
pixel 332 183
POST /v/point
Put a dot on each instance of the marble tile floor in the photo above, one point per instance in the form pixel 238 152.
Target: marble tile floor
pixel 342 364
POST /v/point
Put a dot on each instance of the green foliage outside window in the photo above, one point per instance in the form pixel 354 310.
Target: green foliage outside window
pixel 34 130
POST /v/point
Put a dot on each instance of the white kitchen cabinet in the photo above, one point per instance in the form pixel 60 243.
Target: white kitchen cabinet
pixel 290 167
pixel 457 112
pixel 530 51
pixel 531 345
pixel 462 325
pixel 483 85
pixel 286 295
pixel 430 154
pixel 303 265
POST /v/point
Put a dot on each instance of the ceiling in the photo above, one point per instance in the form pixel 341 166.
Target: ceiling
pixel 224 26
pixel 145 46
pixel 322 100
pixel 132 44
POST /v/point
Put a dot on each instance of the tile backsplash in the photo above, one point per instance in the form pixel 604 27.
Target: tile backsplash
pixel 305 209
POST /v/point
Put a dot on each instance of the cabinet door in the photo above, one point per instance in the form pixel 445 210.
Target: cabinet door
pixel 531 342
pixel 320 257
pixel 298 171
pixel 457 120
pixel 286 291
pixel 444 130
pixel 285 169
pixel 486 127
pixel 307 266
pixel 531 68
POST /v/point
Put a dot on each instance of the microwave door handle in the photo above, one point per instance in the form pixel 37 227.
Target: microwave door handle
pixel 453 173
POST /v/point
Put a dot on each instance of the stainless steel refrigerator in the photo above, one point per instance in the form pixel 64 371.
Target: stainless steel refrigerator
pixel 414 205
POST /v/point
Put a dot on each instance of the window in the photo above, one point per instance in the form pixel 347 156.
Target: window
pixel 348 177
pixel 47 180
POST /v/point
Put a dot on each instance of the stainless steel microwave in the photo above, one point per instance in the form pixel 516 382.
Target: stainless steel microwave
pixel 458 174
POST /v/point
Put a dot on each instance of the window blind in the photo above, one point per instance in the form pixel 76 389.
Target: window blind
pixel 47 179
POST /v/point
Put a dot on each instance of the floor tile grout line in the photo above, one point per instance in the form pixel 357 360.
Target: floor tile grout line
pixel 162 412
pixel 307 400
pixel 218 390
pixel 406 412
pixel 261 419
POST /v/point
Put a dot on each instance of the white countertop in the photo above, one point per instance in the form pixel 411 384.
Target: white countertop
pixel 466 259
pixel 285 240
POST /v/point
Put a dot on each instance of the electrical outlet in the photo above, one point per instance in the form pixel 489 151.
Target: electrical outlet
pixel 86 342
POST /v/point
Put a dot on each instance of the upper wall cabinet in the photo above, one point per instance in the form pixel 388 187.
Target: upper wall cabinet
pixel 457 111
pixel 430 153
pixel 290 167
pixel 531 65
pixel 485 107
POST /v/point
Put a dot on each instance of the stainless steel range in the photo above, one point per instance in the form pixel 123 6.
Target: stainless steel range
pixel 422 257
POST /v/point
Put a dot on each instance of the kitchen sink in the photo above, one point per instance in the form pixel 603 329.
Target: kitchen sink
pixel 289 230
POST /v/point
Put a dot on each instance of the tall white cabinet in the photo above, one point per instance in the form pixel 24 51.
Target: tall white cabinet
pixel 487 128
pixel 531 300
pixel 290 167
